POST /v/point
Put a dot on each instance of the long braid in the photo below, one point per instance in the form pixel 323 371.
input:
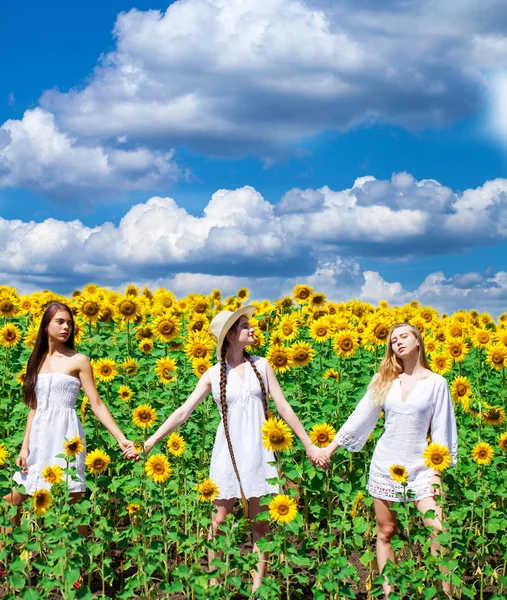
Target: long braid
pixel 261 383
pixel 223 404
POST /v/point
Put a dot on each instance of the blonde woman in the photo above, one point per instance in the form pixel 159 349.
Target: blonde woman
pixel 416 402
pixel 240 384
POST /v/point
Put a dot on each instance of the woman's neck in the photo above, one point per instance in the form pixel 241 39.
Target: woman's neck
pixel 412 365
pixel 55 347
pixel 235 355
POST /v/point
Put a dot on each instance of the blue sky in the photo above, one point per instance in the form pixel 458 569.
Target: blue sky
pixel 360 150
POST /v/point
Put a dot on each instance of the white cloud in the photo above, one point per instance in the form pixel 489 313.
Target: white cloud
pixel 240 232
pixel 36 154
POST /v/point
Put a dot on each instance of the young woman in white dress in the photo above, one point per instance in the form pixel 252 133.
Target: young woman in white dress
pixel 240 384
pixel 415 402
pixel 54 376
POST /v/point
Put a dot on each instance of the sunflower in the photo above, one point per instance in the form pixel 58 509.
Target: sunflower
pixel 208 490
pixel 317 299
pixel 41 501
pixel 357 503
pixel 91 288
pixel 52 474
pixel 302 354
pixel 74 446
pixel 3 454
pixel 283 509
pixel 129 308
pixel 9 305
pixel 430 316
pixel 105 369
pixel 125 393
pixel 437 456
pixel 200 366
pixel 482 453
pixel 501 337
pixel 176 444
pixel 166 370
pixel 144 416
pixel 287 328
pixel 10 335
pixel 146 345
pixel 322 435
pixel 25 305
pixel 276 435
pixel 320 330
pixel 502 441
pixel 456 330
pixel 157 467
pixel 378 330
pixel 457 349
pixel 441 363
pixel 431 346
pixel 97 461
pixel 280 358
pixel 167 327
pixel 131 290
pixel 130 366
pixel 420 324
pixel 243 294
pixel 89 307
pixel 398 473
pixel 133 508
pixel 198 323
pixel 482 338
pixel 497 356
pixel 332 374
pixel 79 332
pixel 494 415
pixel 345 343
pixel 145 332
pixel 199 345
pixel 302 293
pixel 21 377
pixel 107 313
pixel 461 388
pixel 84 404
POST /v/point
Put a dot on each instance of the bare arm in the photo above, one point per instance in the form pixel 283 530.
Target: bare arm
pixel 289 416
pixel 182 413
pixel 25 446
pixel 98 407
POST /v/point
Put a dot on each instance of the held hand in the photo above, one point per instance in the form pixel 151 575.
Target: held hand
pixel 148 445
pixel 316 457
pixel 21 461
pixel 128 449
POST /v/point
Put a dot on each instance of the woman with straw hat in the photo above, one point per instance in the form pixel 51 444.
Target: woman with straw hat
pixel 240 384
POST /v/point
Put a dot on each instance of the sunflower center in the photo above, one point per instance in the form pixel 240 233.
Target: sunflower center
pixel 322 437
pixel 462 389
pixel 200 307
pixel 10 336
pixel 276 437
pixel 287 329
pixel 106 371
pixel 283 509
pixel 321 331
pixel 199 351
pixel 6 306
pixel 483 338
pixel 98 464
pixel 437 459
pixel 381 332
pixel 158 468
pixel 280 359
pixel 127 308
pixel 301 355
pixel 90 308
pixel 166 327
pixel 346 344
pixel 497 358
pixel 144 416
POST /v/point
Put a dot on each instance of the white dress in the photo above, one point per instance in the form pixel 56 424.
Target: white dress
pixel 245 419
pixel 428 409
pixel 54 421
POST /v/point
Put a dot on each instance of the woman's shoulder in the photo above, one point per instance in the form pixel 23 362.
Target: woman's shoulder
pixel 259 361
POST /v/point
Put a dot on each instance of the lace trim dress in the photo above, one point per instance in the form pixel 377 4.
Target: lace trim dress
pixel 428 409
pixel 245 418
pixel 54 421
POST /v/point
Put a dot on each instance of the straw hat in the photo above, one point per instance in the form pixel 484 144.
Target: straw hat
pixel 224 320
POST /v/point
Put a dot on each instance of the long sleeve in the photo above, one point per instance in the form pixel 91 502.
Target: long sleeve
pixel 443 423
pixel 356 430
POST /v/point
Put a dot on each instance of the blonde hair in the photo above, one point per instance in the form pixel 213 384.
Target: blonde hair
pixel 391 366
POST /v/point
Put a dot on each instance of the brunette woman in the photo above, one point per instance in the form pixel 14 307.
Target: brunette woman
pixel 240 384
pixel 54 376
pixel 416 402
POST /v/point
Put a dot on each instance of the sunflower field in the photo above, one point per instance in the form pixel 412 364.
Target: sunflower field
pixel 142 528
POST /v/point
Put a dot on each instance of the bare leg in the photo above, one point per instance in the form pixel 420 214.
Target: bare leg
pixel 386 528
pixel 423 506
pixel 259 530
pixel 222 509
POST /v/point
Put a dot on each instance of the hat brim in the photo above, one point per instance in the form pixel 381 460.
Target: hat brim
pixel 245 311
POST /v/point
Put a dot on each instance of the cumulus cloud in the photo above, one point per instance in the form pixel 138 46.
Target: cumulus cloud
pixel 36 154
pixel 241 77
pixel 322 236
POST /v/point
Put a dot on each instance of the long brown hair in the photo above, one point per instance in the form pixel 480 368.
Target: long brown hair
pixel 391 366
pixel 225 414
pixel 40 349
